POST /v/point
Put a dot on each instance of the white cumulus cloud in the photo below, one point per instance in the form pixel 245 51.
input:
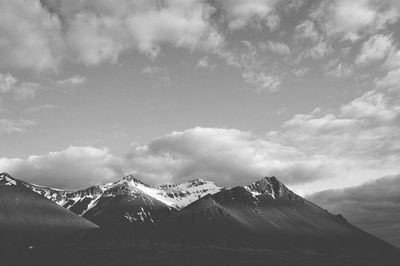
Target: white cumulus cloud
pixel 72 168
pixel 375 48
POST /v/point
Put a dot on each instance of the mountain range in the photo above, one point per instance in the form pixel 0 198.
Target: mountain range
pixel 265 219
pixel 128 201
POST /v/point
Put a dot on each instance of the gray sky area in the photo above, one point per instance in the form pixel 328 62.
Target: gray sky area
pixel 225 90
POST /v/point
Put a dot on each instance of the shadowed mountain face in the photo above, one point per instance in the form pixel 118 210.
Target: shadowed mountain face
pixel 129 203
pixel 27 217
pixel 266 214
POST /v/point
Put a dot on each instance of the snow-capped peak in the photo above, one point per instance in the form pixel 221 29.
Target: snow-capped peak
pixel 197 182
pixel 7 180
pixel 272 187
pixel 185 193
pixel 267 185
pixel 130 178
pixel 173 195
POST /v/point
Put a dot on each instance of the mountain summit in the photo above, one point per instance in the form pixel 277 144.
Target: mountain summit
pixel 7 180
pixel 272 187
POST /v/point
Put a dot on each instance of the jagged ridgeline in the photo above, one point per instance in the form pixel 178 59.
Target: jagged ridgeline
pixel 129 201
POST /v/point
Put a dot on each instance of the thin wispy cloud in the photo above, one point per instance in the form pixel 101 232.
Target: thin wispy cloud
pixel 8 126
pixel 38 108
pixel 72 81
pixel 19 90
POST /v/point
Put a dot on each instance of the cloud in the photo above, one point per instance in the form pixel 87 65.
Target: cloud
pixel 26 91
pixel 256 70
pixel 99 31
pixel 159 76
pixel 255 13
pixel 351 20
pixel 42 34
pixel 153 70
pixel 338 27
pixel 365 127
pixel 337 69
pixel 2 109
pixel 301 72
pixel 205 63
pixel 390 80
pixel 375 48
pixel 358 141
pixel 263 82
pixel 279 48
pixel 19 90
pixel 7 82
pixel 37 108
pixel 29 36
pixel 392 60
pixel 319 50
pixel 72 81
pixel 362 136
pixel 373 206
pixel 375 108
pixel 310 41
pixel 8 126
pixel 72 168
pixel 312 151
pixel 226 156
pixel 39 35
pixel 307 31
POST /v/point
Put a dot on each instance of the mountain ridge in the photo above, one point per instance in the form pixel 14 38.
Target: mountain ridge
pixel 136 200
pixel 82 200
pixel 262 216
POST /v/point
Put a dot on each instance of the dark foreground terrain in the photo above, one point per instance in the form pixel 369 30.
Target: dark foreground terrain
pixel 183 256
pixel 99 247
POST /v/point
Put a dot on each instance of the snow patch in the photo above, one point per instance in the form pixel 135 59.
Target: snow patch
pixel 130 218
pixel 7 180
pixel 10 182
pixel 252 192
pixel 91 204
pixel 183 194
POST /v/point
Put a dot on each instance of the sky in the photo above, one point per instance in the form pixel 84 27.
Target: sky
pixel 228 91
